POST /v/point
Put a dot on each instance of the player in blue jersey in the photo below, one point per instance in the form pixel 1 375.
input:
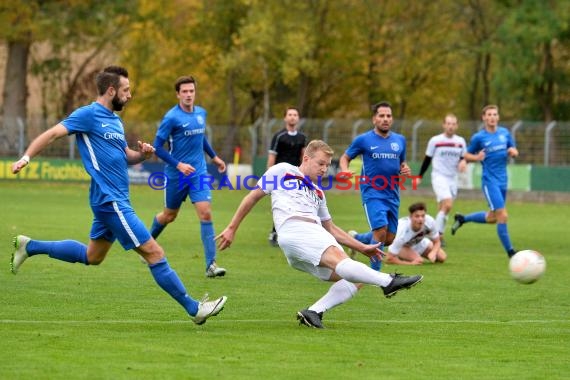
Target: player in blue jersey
pixel 383 170
pixel 184 128
pixel 492 146
pixel 105 155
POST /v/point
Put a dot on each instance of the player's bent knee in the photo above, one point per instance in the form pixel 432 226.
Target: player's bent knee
pixel 169 218
pixel 94 260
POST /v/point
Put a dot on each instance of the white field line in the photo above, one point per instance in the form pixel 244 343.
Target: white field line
pixel 256 321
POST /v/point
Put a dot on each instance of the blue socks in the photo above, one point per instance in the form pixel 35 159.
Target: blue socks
pixel 504 237
pixel 368 238
pixel 365 237
pixel 71 251
pixel 502 231
pixel 374 262
pixel 169 281
pixel 476 217
pixel 207 235
pixel 156 228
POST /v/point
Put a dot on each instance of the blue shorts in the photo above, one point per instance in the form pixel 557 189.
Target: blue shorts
pixel 117 220
pixel 197 187
pixel 382 212
pixel 495 195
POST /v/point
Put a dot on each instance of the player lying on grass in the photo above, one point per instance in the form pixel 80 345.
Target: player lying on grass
pixel 309 238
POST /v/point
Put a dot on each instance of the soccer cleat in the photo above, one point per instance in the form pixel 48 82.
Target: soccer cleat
pixel 351 252
pixel 310 318
pixel 511 252
pixel 400 282
pixel 459 220
pixel 215 271
pixel 207 309
pixel 20 255
pixel 273 239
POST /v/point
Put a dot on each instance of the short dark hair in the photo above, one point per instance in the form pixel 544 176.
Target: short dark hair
pixel 110 77
pixel 418 206
pixel 183 80
pixel 375 107
pixel 291 108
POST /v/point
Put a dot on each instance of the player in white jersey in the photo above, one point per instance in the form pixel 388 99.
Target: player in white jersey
pixel 446 152
pixel 309 238
pixel 417 239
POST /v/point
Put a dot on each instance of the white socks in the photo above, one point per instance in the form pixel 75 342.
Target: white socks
pixel 340 292
pixel 355 271
pixel 441 221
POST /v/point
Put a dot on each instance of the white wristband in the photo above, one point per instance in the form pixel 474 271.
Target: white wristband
pixel 25 158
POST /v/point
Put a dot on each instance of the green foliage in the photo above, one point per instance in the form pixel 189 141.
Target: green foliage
pixel 534 38
pixel 328 58
pixel 467 319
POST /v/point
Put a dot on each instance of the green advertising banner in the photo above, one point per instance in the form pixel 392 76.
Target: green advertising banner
pixel 519 176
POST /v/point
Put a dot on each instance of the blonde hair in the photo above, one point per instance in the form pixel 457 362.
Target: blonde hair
pixel 450 115
pixel 318 145
pixel 489 107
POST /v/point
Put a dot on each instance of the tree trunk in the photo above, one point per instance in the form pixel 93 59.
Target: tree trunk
pixel 15 95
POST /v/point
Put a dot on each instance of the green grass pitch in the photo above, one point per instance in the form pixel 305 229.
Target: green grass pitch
pixel 467 320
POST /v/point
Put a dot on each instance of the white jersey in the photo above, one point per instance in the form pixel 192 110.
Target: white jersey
pixel 407 237
pixel 293 195
pixel 446 152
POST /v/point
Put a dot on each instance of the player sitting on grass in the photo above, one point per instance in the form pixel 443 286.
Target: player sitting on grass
pixel 417 239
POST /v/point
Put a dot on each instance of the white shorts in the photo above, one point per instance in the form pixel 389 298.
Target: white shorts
pixel 418 248
pixel 444 187
pixel 421 247
pixel 303 244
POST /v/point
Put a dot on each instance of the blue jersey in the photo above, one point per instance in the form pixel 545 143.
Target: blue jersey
pixel 101 143
pixel 495 146
pixel 185 133
pixel 381 160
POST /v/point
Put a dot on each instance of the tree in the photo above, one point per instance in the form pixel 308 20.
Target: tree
pixel 51 39
pixel 533 58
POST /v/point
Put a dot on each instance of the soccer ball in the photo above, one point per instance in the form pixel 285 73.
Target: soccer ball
pixel 527 266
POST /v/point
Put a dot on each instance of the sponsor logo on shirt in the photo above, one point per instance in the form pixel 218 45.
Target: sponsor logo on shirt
pixel 104 125
pixel 496 148
pixel 113 136
pixel 192 132
pixel 387 156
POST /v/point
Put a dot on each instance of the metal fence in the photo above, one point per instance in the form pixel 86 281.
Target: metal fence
pixel 539 143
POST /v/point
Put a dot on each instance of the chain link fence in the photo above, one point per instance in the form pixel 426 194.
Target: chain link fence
pixel 539 143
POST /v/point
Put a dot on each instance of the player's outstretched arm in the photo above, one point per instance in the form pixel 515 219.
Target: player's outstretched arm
pixel 38 144
pixel 226 237
pixel 343 164
pixel 370 250
pixel 145 151
pixel 219 163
